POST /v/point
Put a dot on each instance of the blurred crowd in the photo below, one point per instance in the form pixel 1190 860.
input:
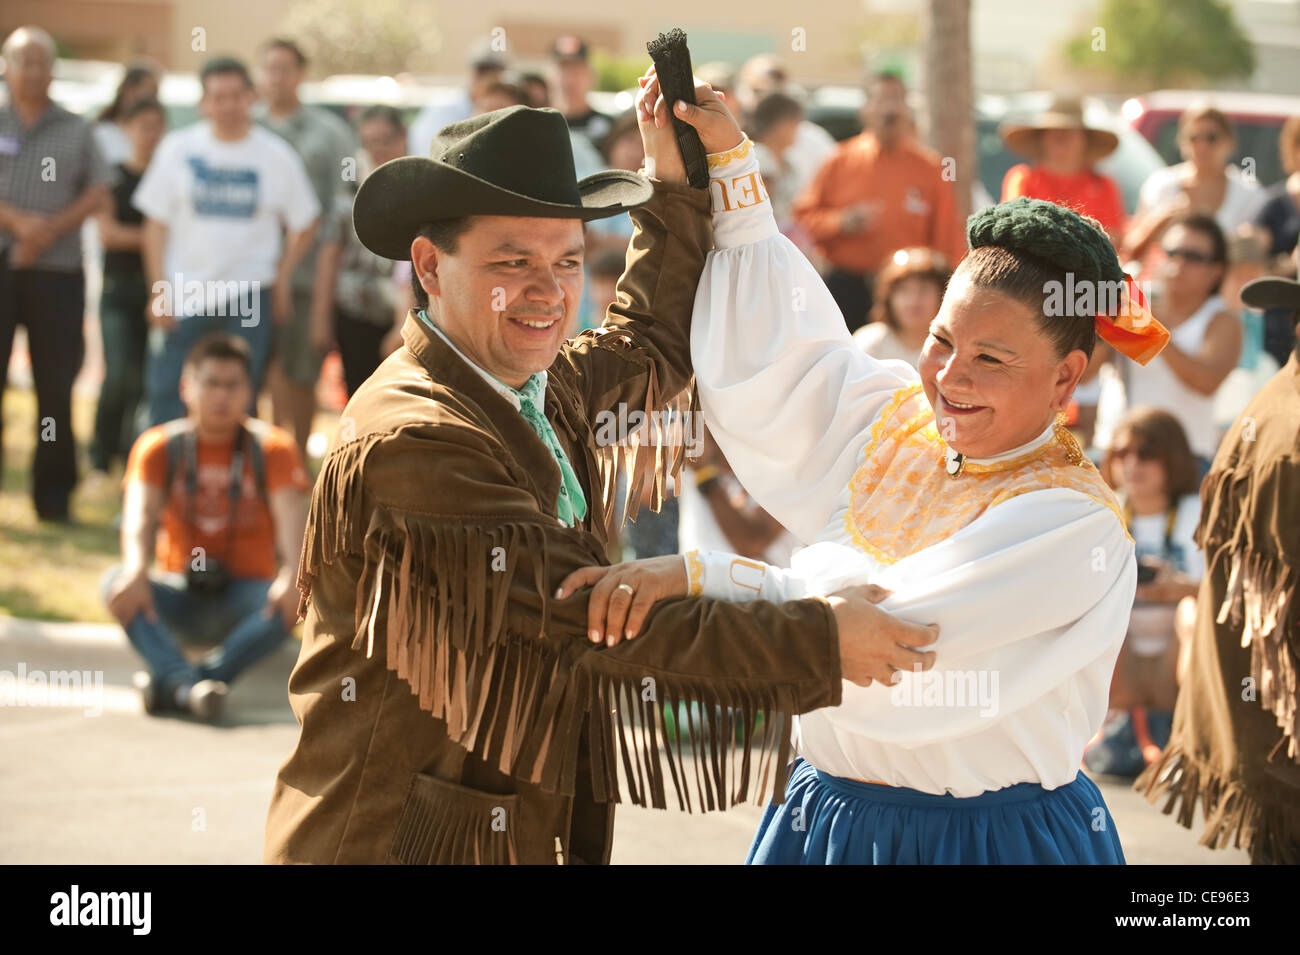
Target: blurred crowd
pixel 232 273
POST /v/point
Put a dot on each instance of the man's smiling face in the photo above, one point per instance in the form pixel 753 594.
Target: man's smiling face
pixel 507 294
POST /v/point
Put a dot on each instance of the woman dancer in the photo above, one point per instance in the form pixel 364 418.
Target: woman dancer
pixel 959 491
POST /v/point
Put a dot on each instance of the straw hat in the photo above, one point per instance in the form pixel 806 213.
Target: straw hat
pixel 1063 113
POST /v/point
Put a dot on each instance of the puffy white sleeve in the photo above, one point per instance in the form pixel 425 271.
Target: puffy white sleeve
pixel 724 576
pixel 784 391
pixel 1032 600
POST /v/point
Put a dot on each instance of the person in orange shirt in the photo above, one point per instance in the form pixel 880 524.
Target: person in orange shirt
pixel 221 500
pixel 1062 150
pixel 878 192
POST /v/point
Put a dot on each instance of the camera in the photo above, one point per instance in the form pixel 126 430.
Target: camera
pixel 212 578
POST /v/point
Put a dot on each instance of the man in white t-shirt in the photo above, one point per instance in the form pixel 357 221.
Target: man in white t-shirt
pixel 229 213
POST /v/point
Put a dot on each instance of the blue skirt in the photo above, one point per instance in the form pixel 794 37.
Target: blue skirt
pixel 827 820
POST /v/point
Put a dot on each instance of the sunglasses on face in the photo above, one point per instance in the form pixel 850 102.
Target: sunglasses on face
pixel 1144 452
pixel 1189 255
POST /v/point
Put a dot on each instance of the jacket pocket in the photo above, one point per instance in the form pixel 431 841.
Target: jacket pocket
pixel 443 823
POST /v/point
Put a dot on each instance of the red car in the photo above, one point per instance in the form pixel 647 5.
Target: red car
pixel 1258 118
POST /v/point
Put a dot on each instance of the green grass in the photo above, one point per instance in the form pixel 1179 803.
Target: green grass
pixel 51 571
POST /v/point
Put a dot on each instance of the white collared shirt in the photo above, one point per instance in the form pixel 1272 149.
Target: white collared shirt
pixel 499 386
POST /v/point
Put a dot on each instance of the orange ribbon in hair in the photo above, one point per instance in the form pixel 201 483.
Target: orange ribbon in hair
pixel 1132 330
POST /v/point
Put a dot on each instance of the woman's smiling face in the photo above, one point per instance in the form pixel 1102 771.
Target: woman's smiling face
pixel 993 379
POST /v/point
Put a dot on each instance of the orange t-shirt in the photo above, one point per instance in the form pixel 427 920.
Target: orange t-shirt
pixel 1088 192
pixel 916 204
pixel 251 544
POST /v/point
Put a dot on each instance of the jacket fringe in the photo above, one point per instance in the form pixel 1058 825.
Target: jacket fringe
pixel 1262 600
pixel 437 828
pixel 1270 833
pixel 654 452
pixel 436 592
pixel 1261 597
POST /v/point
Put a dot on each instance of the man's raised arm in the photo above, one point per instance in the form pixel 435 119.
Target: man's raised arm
pixel 639 360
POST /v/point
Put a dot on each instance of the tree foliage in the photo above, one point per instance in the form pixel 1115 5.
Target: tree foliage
pixel 1166 42
pixel 382 37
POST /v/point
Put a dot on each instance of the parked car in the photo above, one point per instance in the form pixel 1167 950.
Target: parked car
pixel 836 109
pixel 1258 118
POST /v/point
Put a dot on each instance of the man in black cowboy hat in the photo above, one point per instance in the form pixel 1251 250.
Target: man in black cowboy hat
pixel 1236 736
pixel 453 708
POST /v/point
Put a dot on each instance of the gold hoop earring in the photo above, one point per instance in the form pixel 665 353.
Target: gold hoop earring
pixel 1069 443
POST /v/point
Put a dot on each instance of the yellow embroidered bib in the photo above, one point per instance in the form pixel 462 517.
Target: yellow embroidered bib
pixel 902 499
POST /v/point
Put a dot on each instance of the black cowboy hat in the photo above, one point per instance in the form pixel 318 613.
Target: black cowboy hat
pixel 516 161
pixel 1272 292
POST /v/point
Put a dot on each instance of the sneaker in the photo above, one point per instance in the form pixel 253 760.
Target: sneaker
pixel 151 694
pixel 207 699
pixel 1117 752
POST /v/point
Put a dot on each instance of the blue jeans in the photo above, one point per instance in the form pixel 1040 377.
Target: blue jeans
pixel 167 351
pixel 231 619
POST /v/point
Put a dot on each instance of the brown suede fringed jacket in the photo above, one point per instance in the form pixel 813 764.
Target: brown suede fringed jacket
pixel 454 711
pixel 1236 736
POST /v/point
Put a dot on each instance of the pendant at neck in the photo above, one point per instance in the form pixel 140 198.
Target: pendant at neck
pixel 953 461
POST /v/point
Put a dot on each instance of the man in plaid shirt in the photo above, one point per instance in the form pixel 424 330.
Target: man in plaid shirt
pixel 51 177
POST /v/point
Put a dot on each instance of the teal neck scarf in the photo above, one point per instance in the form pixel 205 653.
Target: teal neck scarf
pixel 572 503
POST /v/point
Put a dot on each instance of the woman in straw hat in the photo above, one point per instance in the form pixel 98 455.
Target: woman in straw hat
pixel 1062 150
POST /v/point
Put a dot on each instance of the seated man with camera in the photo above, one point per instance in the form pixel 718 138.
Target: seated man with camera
pixel 221 500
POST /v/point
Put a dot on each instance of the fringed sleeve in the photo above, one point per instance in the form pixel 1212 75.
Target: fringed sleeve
pixel 1257 523
pixel 1225 751
pixel 456 592
pixel 638 363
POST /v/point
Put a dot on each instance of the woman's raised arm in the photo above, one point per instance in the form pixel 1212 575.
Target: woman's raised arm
pixel 784 390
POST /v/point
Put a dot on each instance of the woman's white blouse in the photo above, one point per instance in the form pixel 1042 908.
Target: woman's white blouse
pixel 1032 598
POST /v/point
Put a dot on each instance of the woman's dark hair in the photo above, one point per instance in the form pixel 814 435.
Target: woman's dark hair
pixel 445 235
pixel 905 264
pixel 1207 226
pixel 1216 116
pixel 1036 252
pixel 146 105
pixel 1164 437
pixel 135 75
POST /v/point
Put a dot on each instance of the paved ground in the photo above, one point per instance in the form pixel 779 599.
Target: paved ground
pixel 119 787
